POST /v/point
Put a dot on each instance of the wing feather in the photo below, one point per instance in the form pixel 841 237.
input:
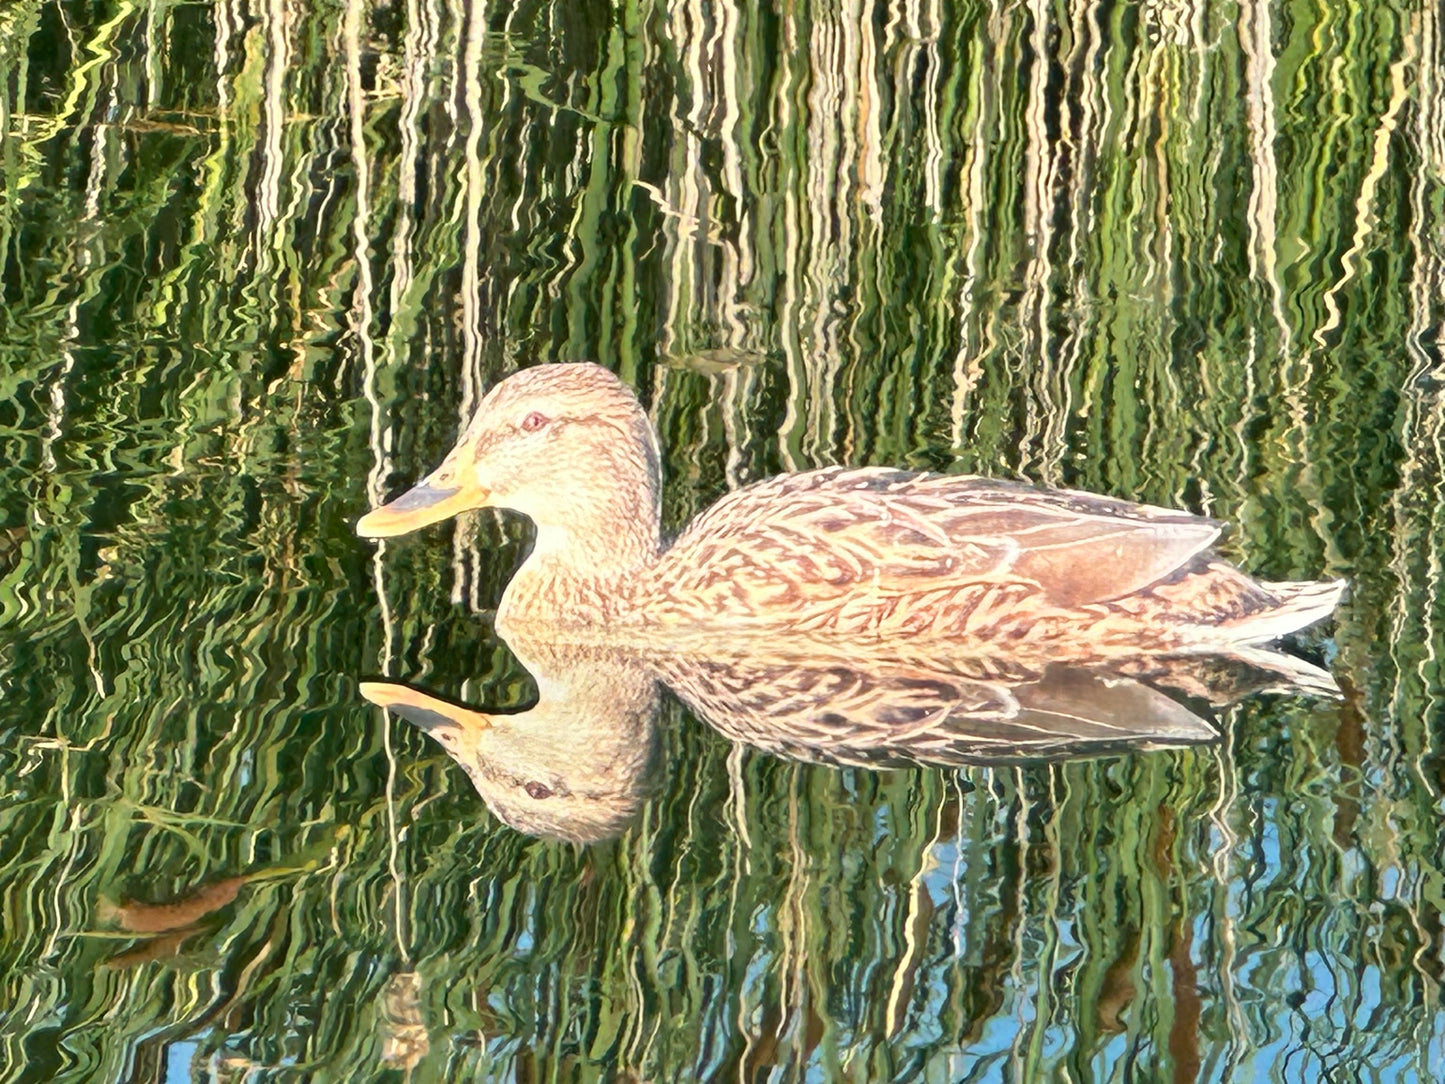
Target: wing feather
pixel 819 536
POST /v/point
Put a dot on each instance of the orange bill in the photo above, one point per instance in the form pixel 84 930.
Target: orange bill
pixel 427 713
pixel 420 506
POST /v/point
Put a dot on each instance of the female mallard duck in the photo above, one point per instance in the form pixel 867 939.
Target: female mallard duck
pixel 936 562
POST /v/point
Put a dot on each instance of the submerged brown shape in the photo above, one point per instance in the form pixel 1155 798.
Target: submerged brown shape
pixel 166 925
pixel 834 556
pixel 183 913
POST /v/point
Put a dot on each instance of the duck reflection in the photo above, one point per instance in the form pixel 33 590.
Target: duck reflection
pixel 574 766
pixel 580 763
pixel 882 712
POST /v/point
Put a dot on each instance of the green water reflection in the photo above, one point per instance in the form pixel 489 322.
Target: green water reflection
pixel 258 258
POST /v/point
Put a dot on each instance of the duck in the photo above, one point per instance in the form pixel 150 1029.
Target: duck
pixel 577 765
pixel 928 562
pixel 580 763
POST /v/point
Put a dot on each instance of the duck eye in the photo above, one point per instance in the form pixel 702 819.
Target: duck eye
pixel 534 421
pixel 537 790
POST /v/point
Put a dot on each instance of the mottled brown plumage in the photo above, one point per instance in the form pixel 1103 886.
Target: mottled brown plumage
pixel 872 556
pixel 579 763
pixel 573 766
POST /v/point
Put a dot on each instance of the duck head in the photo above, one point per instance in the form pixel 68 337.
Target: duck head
pixel 566 445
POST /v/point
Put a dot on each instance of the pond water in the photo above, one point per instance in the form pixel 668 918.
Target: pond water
pixel 259 259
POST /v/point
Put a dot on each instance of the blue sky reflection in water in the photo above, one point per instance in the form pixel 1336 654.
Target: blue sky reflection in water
pixel 260 259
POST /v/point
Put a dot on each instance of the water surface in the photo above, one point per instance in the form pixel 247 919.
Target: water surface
pixel 259 258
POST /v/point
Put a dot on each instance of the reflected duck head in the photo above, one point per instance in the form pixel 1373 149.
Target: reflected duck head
pixel 567 445
pixel 548 772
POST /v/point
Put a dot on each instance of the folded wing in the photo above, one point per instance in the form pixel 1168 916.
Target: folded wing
pixel 818 538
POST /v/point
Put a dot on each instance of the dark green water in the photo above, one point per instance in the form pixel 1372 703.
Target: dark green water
pixel 258 258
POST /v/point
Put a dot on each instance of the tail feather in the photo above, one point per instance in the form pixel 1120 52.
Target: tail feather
pixel 1301 603
pixel 1290 674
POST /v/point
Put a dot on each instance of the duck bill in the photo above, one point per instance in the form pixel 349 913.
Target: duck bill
pixel 445 722
pixel 422 505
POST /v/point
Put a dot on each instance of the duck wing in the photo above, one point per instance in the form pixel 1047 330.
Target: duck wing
pixel 878 713
pixel 822 537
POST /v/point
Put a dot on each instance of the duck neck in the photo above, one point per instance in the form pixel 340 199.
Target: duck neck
pixel 597 549
pixel 587 560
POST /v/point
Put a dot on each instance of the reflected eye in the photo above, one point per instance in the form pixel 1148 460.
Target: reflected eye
pixel 534 421
pixel 538 791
